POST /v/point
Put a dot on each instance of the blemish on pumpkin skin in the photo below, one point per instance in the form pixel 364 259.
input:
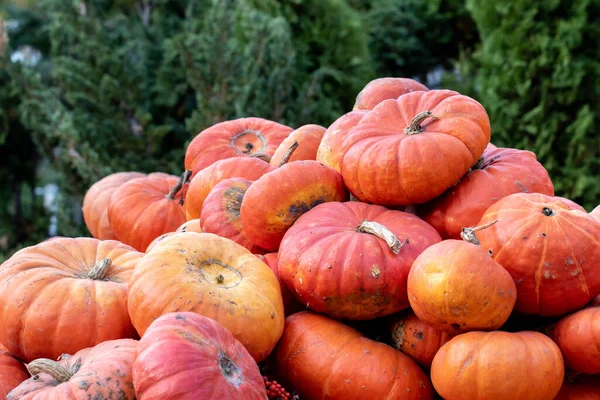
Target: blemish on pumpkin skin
pixel 419 335
pixel 297 209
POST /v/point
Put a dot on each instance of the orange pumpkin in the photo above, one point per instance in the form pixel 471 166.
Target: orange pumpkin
pixel 308 138
pixel 192 225
pixel 50 291
pixel 12 372
pixel 331 143
pixel 208 178
pixel 550 250
pixel 214 277
pixel 145 208
pixel 159 240
pixel 243 137
pixel 325 359
pixel 498 366
pixel 578 337
pixel 290 304
pixel 95 203
pixel 411 150
pixel 382 89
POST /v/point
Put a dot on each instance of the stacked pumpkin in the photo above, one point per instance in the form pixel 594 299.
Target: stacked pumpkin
pixel 453 266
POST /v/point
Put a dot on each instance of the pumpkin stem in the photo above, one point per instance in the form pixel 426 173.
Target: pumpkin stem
pixel 185 178
pixel 288 154
pixel 377 229
pixel 99 270
pixel 548 212
pixel 468 234
pixel 415 124
pixel 230 371
pixel 220 278
pixel 54 369
pixel 263 156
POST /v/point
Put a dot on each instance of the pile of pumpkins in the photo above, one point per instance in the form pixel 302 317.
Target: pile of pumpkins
pixel 396 254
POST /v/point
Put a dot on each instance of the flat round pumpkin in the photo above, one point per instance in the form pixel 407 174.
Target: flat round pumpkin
pixel 333 138
pixel 308 138
pixel 12 372
pixel 382 89
pixel 578 337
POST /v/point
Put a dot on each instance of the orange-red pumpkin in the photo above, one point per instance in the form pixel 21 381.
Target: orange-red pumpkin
pixel 382 89
pixel 596 213
pixel 214 277
pixel 325 359
pixel 570 203
pixel 333 138
pixel 578 337
pixel 498 366
pixel 185 355
pixel 308 138
pixel 12 372
pixel 550 249
pixel 411 150
pixel 243 137
pixel 64 295
pixel 145 208
pixel 95 203
pixel 192 225
pixel 290 304
pixel 351 260
pixel 498 173
pixel 571 391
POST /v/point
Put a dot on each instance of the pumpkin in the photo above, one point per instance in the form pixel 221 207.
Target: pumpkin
pixel 214 277
pixel 159 239
pixel 595 301
pixel 550 249
pixel 571 203
pixel 351 260
pixel 145 208
pixel 578 337
pixel 192 225
pixel 12 372
pixel 185 355
pixel 578 392
pixel 221 212
pixel 469 366
pixel 325 359
pixel 208 178
pixel 498 173
pixel 290 304
pixel 411 150
pixel 382 89
pixel 455 286
pixel 64 295
pixel 417 339
pixel 596 213
pixel 308 138
pixel 333 138
pixel 99 372
pixel 95 203
pixel 243 137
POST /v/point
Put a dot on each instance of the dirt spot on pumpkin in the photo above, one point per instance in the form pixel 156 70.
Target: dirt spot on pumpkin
pixel 297 209
pixel 84 385
pixel 521 187
pixel 375 271
pixel 419 335
pixel 455 326
pixel 232 200
pixel 179 316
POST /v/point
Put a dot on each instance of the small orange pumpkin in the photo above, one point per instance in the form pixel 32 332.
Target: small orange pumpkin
pixel 382 89
pixel 12 372
pixel 308 138
pixel 331 143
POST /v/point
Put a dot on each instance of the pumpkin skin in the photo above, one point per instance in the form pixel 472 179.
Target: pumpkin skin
pixel 189 356
pixel 578 337
pixel 214 277
pixel 578 392
pixel 275 201
pixel 325 359
pixel 498 173
pixel 468 367
pixel 570 203
pixel 159 240
pixel 12 372
pixel 382 89
pixel 331 143
pixel 51 290
pixel 596 213
pixel 382 163
pixel 417 339
pixel 221 212
pixel 290 304
pixel 208 178
pixel 143 209
pixel 192 225
pixel 456 287
pixel 243 137
pixel 552 258
pixel 95 203
pixel 104 373
pixel 334 267
pixel 308 138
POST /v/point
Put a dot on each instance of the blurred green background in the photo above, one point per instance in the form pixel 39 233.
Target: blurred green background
pixel 98 86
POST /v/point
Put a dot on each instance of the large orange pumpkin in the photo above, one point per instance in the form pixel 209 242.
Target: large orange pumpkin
pixel 411 150
pixel 382 89
pixel 64 295
pixel 95 203
pixel 12 372
pixel 308 138
pixel 333 138
pixel 325 359
pixel 208 178
pixel 578 337
pixel 145 208
pixel 212 276
pixel 550 250
pixel 498 366
pixel 351 260
pixel 290 304
pixel 243 137
pixel 185 355
pixel 100 372
pixel 498 173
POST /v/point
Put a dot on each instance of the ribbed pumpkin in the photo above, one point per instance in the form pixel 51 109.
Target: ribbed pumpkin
pixel 214 277
pixel 186 355
pixel 64 295
pixel 193 225
pixel 529 365
pixel 333 138
pixel 243 137
pixel 550 250
pixel 351 260
pixel 95 203
pixel 498 173
pixel 382 89
pixel 290 304
pixel 308 138
pixel 12 372
pixel 145 208
pixel 411 150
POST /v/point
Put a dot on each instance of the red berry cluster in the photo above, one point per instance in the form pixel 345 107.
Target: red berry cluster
pixel 275 391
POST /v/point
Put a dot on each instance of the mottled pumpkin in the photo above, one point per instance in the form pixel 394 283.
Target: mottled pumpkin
pixel 308 138
pixel 578 337
pixel 333 138
pixel 382 89
pixel 12 372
